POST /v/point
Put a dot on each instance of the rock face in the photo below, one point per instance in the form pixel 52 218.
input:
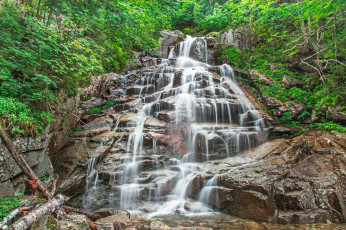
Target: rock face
pixel 182 135
pixel 239 37
pixel 12 179
pixel 168 40
pixel 300 181
pixel 37 150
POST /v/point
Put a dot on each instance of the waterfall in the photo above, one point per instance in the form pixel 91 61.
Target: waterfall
pixel 205 116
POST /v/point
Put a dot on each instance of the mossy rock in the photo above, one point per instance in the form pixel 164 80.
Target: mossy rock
pixel 45 223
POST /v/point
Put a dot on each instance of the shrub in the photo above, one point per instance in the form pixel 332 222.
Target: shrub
pixel 95 110
pixel 108 104
pixel 7 204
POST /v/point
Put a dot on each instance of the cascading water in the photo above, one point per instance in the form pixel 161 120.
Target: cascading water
pixel 196 110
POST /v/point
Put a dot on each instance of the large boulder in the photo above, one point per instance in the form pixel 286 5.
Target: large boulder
pixel 291 182
pixel 68 166
pixel 239 37
pixel 199 47
pixel 168 40
pixel 119 221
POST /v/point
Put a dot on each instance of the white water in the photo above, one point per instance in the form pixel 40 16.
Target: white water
pixel 217 126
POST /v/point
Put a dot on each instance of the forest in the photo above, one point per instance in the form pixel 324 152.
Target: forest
pixel 51 48
pixel 152 114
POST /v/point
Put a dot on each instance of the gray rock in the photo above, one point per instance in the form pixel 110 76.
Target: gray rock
pixel 6 189
pixel 45 223
pixel 67 165
pixel 80 220
pixel 119 221
pixel 198 50
pixel 337 114
pixel 68 225
pixel 289 82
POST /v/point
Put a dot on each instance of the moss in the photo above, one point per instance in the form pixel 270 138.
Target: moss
pixel 214 34
pixel 52 223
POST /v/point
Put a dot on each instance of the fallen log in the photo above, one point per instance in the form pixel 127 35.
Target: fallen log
pixel 21 162
pixel 13 214
pixel 48 208
pixel 9 217
pixel 91 216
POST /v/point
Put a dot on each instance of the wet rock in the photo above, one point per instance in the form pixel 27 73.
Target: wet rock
pixel 198 48
pixel 119 221
pixel 177 79
pixel 215 69
pixel 294 179
pixel 289 82
pixel 195 186
pixel 337 114
pixel 158 225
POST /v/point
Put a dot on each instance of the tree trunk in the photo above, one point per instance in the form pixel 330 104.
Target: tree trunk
pixel 21 162
pixel 47 209
pixel 91 216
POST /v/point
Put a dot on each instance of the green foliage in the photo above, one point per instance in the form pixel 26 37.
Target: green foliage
pixel 51 46
pixel 79 129
pixel 86 98
pixel 236 58
pixel 108 104
pixel 70 131
pixel 20 194
pixel 330 126
pixel 188 31
pixel 44 178
pixel 300 132
pixel 95 110
pixel 7 204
